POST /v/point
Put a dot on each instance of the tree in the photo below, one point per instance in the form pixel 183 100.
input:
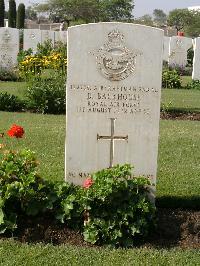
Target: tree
pixel 193 29
pixel 2 13
pixel 30 13
pixel 180 18
pixel 12 14
pixel 21 16
pixel 145 20
pixel 89 10
pixel 116 10
pixel 159 17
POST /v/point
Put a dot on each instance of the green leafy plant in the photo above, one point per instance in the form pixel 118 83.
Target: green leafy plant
pixel 22 191
pixel 23 53
pixel 47 95
pixel 193 85
pixel 117 207
pixel 45 48
pixel 190 56
pixel 69 209
pixel 8 74
pixel 11 103
pixel 171 79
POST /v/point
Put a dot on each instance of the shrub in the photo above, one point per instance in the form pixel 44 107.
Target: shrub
pixel 12 14
pixel 171 79
pixel 20 16
pixel 8 74
pixel 45 48
pixel 190 56
pixel 47 95
pixel 117 208
pixel 23 53
pixel 193 85
pixel 11 103
pixel 22 191
pixel 182 70
pixel 69 208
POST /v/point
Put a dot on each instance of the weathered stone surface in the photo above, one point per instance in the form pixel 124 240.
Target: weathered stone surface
pixel 48 35
pixel 196 61
pixel 113 98
pixel 61 36
pixel 166 48
pixel 31 39
pixel 178 50
pixel 9 47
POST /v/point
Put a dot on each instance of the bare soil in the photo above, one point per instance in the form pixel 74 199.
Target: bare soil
pixel 180 116
pixel 175 228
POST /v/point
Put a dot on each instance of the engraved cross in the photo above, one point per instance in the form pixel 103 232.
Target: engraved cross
pixel 112 139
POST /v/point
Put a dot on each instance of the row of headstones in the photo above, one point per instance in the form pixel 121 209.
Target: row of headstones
pixel 10 43
pixel 175 48
pixel 175 53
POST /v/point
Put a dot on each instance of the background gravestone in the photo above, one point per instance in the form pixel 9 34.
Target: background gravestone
pixel 178 50
pixel 196 60
pixel 113 98
pixel 166 48
pixel 61 36
pixel 31 39
pixel 9 47
pixel 47 35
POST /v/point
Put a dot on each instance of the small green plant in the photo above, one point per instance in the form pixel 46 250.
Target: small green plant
pixel 69 209
pixel 23 53
pixel 22 191
pixel 8 74
pixel 193 85
pixel 171 79
pixel 45 48
pixel 190 56
pixel 11 103
pixel 117 207
pixel 47 95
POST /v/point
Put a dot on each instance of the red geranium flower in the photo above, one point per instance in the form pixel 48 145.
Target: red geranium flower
pixel 16 131
pixel 88 182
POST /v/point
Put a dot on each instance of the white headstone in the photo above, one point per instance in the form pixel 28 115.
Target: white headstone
pixel 31 39
pixel 113 98
pixel 196 60
pixel 178 50
pixel 166 48
pixel 47 35
pixel 9 47
pixel 61 36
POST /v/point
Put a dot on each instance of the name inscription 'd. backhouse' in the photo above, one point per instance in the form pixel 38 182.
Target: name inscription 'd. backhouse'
pixel 109 117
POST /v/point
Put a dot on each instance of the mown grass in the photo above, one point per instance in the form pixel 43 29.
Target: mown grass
pixel 13 253
pixel 15 88
pixel 179 150
pixel 181 99
pixel 178 164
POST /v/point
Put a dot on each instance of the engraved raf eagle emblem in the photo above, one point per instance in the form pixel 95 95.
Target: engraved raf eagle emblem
pixel 114 60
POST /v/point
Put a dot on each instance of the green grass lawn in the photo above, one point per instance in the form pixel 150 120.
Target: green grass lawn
pixel 15 88
pixel 13 253
pixel 188 100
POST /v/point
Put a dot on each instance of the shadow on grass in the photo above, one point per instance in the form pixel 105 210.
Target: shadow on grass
pixel 179 111
pixel 192 203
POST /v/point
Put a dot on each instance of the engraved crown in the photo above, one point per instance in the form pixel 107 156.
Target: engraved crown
pixel 116 37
